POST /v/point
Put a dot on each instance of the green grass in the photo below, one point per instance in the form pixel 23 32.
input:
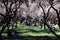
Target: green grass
pixel 34 31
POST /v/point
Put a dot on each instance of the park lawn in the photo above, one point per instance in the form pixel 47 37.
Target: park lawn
pixel 34 31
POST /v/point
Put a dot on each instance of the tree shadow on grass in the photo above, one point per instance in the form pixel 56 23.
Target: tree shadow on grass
pixel 33 38
pixel 38 31
pixel 34 31
pixel 29 37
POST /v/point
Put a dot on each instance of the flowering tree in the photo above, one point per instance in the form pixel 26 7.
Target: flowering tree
pixel 11 7
pixel 45 16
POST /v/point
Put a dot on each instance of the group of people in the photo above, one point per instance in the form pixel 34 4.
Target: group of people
pixel 34 22
pixel 30 22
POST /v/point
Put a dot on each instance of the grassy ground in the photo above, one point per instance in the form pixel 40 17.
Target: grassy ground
pixel 27 32
pixel 34 31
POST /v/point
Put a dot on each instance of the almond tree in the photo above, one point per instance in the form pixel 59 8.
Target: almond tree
pixel 11 7
pixel 45 19
pixel 10 13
